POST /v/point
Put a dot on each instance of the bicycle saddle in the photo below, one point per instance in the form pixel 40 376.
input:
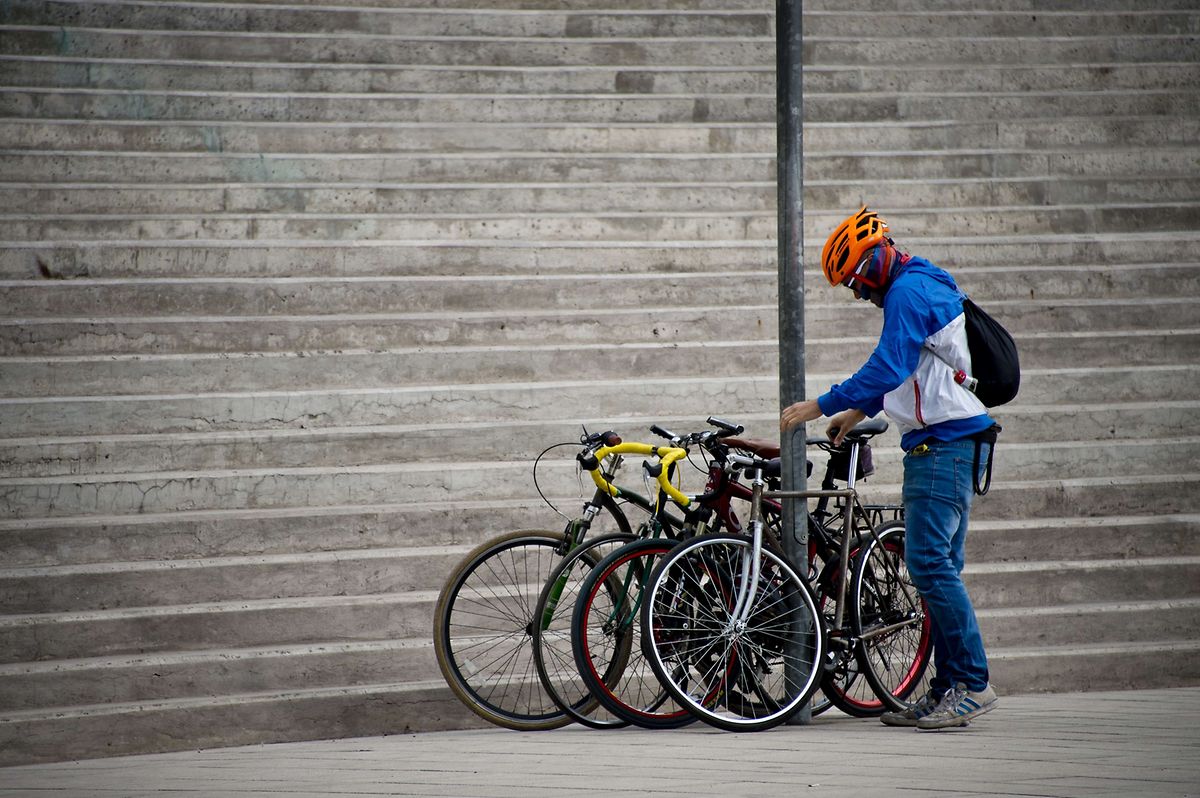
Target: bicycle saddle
pixel 758 446
pixel 867 429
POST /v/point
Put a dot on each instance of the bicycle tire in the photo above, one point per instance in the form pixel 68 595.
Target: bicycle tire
pixel 483 630
pixel 737 679
pixel 606 639
pixel 897 664
pixel 553 654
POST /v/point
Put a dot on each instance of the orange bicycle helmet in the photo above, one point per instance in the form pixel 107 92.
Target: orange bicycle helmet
pixel 849 242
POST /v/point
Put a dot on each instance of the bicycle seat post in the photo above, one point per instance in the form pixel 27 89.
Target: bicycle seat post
pixel 852 468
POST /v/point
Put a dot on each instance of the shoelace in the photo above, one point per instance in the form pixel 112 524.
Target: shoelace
pixel 952 699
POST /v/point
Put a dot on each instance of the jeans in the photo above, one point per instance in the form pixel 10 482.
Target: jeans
pixel 938 488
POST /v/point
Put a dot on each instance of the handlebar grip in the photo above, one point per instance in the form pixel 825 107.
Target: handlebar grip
pixel 662 433
pixel 727 426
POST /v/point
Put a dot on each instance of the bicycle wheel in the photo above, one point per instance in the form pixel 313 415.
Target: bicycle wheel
pixel 606 639
pixel 552 652
pixel 483 630
pixel 889 618
pixel 736 675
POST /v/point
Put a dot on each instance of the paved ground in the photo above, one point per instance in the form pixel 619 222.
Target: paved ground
pixel 1096 744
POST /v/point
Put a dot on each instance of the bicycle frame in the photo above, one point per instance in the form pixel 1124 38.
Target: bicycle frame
pixel 759 494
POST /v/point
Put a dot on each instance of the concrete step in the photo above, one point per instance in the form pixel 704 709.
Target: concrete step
pixel 1099 623
pixel 1141 45
pixel 250 532
pixel 224 625
pixel 331 447
pixel 51 103
pixel 1005 289
pixel 1043 585
pixel 26 378
pixel 243 719
pixel 385 258
pixel 229 579
pixel 426 22
pixel 208 75
pixel 272 486
pixel 558 226
pixel 333 331
pixel 206 412
pixel 1082 538
pixel 52 168
pixel 696 136
pixel 579 24
pixel 1116 666
pixel 292 310
pixel 685 193
pixel 171 675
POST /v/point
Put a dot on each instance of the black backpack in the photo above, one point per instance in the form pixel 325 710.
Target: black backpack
pixel 994 361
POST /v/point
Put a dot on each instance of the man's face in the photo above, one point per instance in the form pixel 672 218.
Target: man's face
pixel 872 295
pixel 862 291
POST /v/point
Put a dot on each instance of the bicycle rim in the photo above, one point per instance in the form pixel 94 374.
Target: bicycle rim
pixel 896 663
pixel 483 630
pixel 732 677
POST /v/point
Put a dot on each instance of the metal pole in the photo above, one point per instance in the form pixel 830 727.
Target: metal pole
pixel 789 115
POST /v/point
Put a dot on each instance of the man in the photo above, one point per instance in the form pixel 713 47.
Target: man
pixel 911 376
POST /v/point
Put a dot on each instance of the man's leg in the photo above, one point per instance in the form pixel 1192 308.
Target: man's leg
pixel 938 488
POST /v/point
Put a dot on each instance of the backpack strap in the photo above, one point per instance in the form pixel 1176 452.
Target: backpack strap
pixel 989 437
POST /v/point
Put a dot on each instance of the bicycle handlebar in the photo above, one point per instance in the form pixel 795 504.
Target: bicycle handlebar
pixel 591 459
pixel 609 443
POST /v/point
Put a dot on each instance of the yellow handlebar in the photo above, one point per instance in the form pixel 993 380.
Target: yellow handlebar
pixel 666 456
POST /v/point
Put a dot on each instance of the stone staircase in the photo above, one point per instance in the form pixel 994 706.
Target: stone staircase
pixel 292 294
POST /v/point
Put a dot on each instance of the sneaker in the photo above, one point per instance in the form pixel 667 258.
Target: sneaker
pixel 909 717
pixel 958 706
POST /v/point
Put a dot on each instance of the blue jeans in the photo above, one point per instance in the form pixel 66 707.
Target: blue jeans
pixel 938 489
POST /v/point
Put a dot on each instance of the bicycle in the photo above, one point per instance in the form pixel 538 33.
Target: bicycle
pixel 603 627
pixel 484 617
pixel 729 632
pixel 845 685
pixel 552 636
pixel 842 686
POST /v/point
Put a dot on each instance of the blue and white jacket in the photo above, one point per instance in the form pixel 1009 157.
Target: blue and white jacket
pixel 910 375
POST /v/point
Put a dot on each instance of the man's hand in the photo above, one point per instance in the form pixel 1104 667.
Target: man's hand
pixel 842 423
pixel 799 413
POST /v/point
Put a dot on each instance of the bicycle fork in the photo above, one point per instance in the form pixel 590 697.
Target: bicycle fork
pixel 752 560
